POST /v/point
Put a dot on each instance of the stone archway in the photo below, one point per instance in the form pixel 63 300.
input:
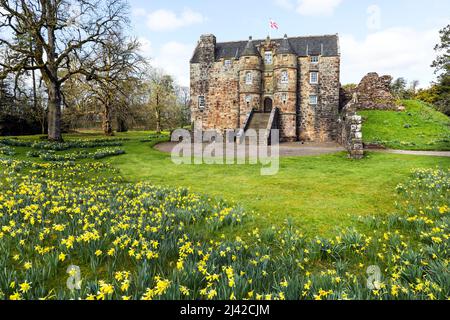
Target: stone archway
pixel 268 105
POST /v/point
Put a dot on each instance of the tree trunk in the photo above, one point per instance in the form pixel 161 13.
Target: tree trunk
pixel 158 115
pixel 158 122
pixel 122 125
pixel 54 112
pixel 107 120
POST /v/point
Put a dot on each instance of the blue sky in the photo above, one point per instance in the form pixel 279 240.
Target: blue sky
pixel 389 37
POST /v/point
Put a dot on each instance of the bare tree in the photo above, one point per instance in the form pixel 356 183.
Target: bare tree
pixel 413 86
pixel 64 34
pixel 117 63
pixel 184 99
pixel 162 96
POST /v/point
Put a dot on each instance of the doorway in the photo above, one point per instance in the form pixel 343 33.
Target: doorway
pixel 268 105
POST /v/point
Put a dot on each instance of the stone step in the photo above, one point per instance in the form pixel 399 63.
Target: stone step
pixel 259 121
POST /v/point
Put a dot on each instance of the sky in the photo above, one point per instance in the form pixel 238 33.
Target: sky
pixel 394 37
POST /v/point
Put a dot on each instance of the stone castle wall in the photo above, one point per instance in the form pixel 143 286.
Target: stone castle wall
pixel 319 122
pixel 229 99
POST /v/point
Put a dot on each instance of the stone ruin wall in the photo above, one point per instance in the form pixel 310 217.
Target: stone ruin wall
pixel 350 130
pixel 374 93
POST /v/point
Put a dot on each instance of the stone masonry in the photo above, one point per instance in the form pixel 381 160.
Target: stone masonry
pixel 373 93
pixel 299 76
pixel 350 129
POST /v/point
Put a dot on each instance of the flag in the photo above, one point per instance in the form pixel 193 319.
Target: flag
pixel 273 25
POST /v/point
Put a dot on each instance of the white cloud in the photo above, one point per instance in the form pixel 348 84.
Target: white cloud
pixel 400 52
pixel 139 12
pixel 374 18
pixel 146 48
pixel 317 7
pixel 172 57
pixel 286 4
pixel 166 20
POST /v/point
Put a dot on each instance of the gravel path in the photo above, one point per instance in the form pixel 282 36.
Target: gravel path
pixel 298 149
pixel 416 153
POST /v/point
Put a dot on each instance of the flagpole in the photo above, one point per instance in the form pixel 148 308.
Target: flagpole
pixel 270 28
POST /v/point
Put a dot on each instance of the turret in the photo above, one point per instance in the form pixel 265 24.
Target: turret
pixel 250 77
pixel 285 74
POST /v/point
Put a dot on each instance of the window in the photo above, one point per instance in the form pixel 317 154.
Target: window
pixel 227 64
pixel 268 57
pixel 313 99
pixel 314 77
pixel 201 102
pixel 248 98
pixel 284 77
pixel 314 59
pixel 248 78
pixel 284 97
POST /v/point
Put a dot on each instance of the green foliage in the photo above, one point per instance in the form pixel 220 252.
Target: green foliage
pixel 77 144
pixel 349 86
pixel 6 150
pixel 304 187
pixel 420 127
pixel 441 89
pixel 50 155
pixel 442 61
pixel 138 241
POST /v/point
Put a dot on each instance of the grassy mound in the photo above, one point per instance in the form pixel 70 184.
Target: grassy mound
pixel 420 127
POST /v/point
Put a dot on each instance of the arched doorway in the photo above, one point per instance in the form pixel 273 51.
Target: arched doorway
pixel 268 105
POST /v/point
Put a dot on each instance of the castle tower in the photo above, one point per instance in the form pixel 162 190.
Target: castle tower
pixel 249 80
pixel 285 88
pixel 200 74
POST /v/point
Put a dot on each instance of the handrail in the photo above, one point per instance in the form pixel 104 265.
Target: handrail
pixel 241 134
pixel 272 124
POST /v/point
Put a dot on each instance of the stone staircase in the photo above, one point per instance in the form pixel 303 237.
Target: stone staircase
pixel 259 121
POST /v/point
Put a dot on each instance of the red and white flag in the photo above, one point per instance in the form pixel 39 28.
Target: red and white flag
pixel 273 25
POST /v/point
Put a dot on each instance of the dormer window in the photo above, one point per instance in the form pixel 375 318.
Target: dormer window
pixel 268 57
pixel 284 77
pixel 314 59
pixel 201 102
pixel 248 78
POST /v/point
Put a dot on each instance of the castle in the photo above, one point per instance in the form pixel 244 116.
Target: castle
pixel 239 85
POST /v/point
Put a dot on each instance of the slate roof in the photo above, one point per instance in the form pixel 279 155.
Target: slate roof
pixel 250 49
pixel 285 46
pixel 326 45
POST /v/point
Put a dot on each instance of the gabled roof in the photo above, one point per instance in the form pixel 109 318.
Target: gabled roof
pixel 326 45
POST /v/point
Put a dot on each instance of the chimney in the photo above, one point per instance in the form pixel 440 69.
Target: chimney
pixel 207 48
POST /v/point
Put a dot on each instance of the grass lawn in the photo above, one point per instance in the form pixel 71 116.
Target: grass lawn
pixel 317 194
pixel 420 127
